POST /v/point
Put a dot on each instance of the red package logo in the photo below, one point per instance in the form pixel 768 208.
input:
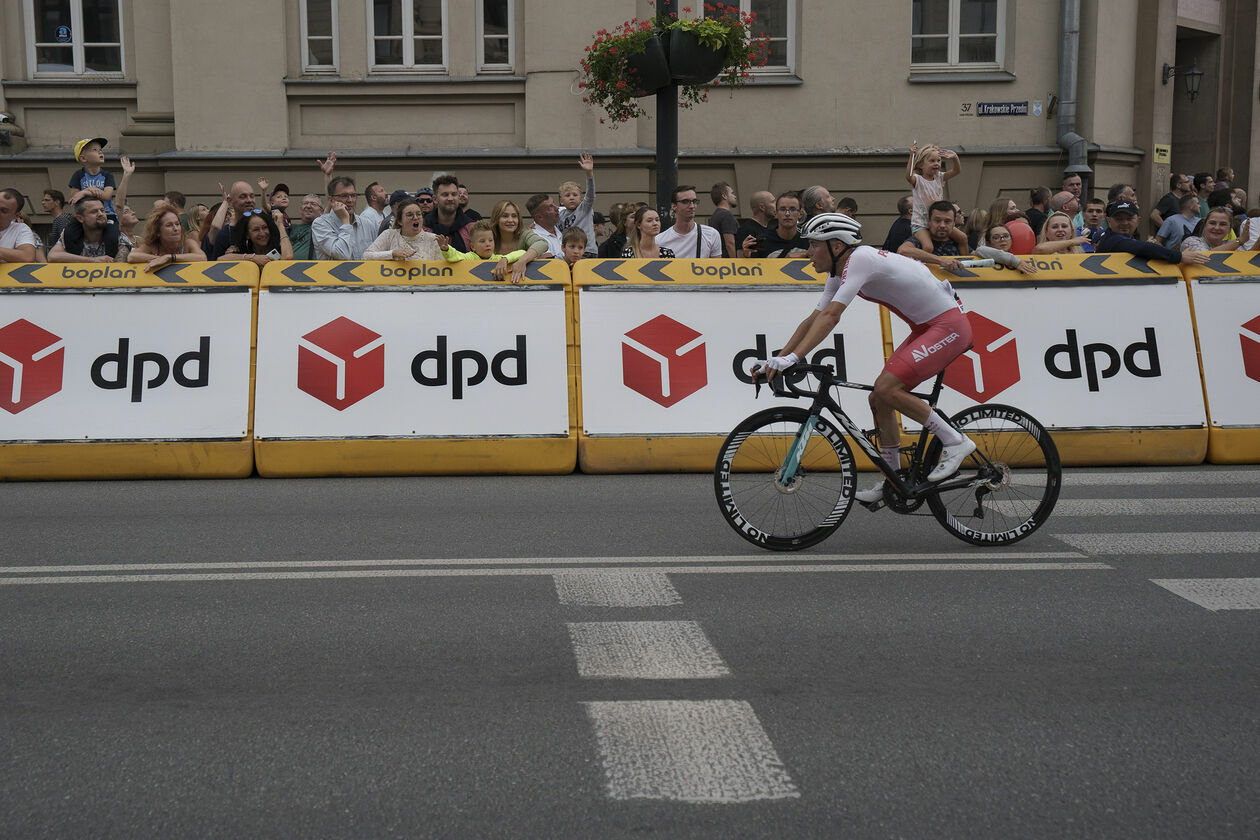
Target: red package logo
pixel 32 361
pixel 990 366
pixel 663 360
pixel 341 362
pixel 1250 338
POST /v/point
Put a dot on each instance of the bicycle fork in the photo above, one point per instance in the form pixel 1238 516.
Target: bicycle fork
pixel 792 462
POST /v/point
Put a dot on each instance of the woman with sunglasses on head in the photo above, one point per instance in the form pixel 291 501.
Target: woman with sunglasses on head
pixel 1059 237
pixel 164 241
pixel 407 239
pixel 510 235
pixel 260 238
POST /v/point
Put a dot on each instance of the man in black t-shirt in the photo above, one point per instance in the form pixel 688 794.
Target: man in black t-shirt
pixel 723 195
pixel 1170 205
pixel 762 204
pixel 784 239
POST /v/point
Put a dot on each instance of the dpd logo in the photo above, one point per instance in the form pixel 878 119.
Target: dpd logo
pixel 341 362
pixel 990 366
pixel 1250 338
pixel 1071 353
pixel 664 360
pixel 31 364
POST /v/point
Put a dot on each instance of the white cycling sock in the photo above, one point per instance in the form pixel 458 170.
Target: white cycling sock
pixel 948 434
pixel 891 456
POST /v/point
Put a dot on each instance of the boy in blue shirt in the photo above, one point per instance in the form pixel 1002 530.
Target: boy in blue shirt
pixel 91 180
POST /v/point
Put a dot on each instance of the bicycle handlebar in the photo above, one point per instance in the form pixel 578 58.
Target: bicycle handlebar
pixel 787 382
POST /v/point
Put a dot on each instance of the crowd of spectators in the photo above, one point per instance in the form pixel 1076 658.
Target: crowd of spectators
pixel 1201 212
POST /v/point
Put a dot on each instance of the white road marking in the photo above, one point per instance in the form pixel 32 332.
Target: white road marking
pixel 644 650
pixel 710 751
pixel 1217 593
pixel 1162 478
pixel 1027 556
pixel 1139 507
pixel 351 574
pixel 1180 542
pixel 616 588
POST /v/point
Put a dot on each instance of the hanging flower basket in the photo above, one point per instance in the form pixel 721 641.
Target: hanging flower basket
pixel 624 64
pixel 690 61
pixel 649 70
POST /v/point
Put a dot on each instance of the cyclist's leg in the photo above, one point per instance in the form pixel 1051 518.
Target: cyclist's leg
pixel 940 341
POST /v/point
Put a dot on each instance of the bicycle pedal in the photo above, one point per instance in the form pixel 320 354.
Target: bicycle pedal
pixel 874 506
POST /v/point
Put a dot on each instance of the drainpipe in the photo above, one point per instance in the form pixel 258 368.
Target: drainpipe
pixel 1069 38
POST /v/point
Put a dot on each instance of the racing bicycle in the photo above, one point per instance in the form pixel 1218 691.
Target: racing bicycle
pixel 785 477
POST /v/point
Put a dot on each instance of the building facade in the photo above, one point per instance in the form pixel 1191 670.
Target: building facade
pixel 200 94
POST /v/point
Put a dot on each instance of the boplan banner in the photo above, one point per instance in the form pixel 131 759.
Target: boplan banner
pixel 1078 356
pixel 1228 314
pixel 656 361
pixel 152 364
pixel 413 361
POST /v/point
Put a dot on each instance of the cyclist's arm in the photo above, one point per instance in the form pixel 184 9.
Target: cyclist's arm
pixel 814 329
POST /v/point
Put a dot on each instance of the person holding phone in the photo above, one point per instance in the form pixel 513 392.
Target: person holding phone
pixel 260 238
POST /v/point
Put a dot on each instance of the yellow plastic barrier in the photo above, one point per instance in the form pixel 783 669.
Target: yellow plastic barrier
pixel 411 368
pixel 107 371
pixel 666 345
pixel 1226 299
pixel 1098 347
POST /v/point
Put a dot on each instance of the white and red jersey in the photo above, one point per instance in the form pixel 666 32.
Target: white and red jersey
pixel 905 286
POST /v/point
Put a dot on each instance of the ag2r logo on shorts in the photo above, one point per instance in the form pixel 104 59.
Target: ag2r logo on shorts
pixel 32 361
pixel 664 360
pixel 341 362
pixel 1250 338
pixel 990 366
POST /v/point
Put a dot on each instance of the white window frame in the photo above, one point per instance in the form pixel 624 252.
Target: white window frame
pixel 789 68
pixel 482 65
pixel 306 52
pixel 955 30
pixel 408 42
pixel 76 45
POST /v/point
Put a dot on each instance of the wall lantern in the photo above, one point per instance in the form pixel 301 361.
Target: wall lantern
pixel 1192 74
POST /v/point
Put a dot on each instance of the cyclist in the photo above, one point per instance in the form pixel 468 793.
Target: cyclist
pixel 939 333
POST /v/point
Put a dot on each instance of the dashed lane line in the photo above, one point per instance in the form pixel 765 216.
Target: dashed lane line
pixel 616 588
pixel 701 751
pixel 1163 478
pixel 644 650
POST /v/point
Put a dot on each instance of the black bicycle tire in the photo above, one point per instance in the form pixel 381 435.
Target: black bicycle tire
pixel 1032 510
pixel 751 525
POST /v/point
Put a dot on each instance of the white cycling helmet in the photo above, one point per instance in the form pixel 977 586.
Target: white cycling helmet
pixel 834 226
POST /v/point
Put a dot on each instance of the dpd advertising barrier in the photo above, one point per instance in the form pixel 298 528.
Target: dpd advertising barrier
pixel 108 371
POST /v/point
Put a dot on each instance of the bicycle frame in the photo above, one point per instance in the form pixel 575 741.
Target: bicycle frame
pixel 822 399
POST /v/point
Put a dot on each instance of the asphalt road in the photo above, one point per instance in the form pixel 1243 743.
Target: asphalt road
pixel 589 656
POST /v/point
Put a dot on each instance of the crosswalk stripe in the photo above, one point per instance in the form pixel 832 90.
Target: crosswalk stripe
pixel 1139 507
pixel 1179 542
pixel 616 589
pixel 354 574
pixel 1216 593
pixel 644 650
pixel 701 751
pixel 1162 478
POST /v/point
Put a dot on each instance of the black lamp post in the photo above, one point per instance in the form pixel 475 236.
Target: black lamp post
pixel 1192 74
pixel 666 131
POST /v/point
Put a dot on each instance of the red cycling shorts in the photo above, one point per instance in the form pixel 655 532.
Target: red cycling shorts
pixel 930 348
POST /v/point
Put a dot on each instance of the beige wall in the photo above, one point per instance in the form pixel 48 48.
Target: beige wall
pixel 208 99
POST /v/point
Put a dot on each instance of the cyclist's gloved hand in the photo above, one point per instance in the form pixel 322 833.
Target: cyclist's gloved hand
pixel 781 362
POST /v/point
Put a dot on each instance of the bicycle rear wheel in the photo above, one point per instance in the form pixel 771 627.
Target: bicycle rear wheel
pixel 759 506
pixel 1016 477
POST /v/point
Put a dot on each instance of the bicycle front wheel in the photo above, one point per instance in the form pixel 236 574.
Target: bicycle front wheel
pixel 1015 476
pixel 768 511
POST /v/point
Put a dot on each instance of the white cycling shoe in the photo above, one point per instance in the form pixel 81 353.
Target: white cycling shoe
pixel 951 459
pixel 871 494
